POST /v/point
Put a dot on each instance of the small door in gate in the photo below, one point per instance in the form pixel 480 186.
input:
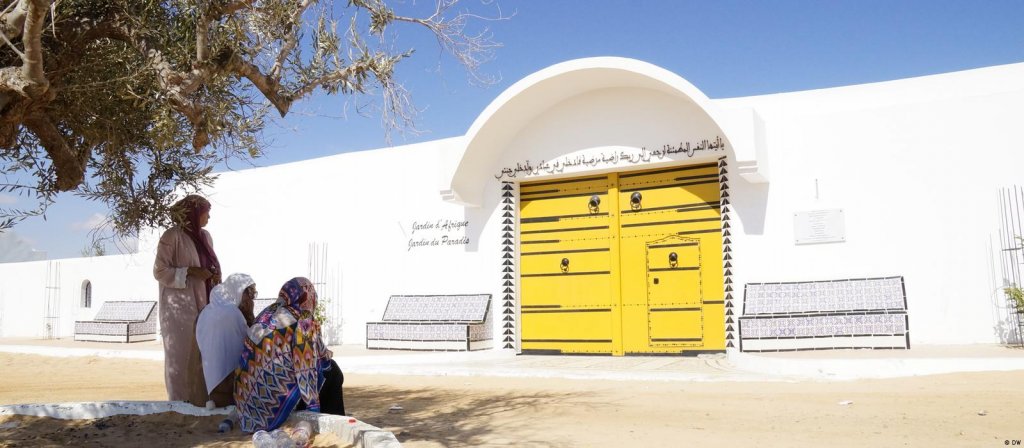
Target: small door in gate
pixel 675 315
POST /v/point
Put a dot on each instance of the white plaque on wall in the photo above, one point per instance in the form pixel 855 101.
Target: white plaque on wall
pixel 819 226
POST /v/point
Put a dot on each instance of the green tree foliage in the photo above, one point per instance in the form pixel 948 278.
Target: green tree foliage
pixel 1016 295
pixel 128 101
pixel 94 249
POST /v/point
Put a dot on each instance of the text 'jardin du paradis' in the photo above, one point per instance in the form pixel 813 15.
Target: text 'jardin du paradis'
pixel 439 232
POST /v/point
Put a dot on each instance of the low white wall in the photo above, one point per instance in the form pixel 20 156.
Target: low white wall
pixel 26 288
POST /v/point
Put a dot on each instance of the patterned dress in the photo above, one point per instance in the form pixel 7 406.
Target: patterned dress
pixel 283 360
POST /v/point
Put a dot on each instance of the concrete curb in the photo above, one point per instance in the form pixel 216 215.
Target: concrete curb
pixel 357 433
pixel 854 369
pixel 100 409
pixel 152 355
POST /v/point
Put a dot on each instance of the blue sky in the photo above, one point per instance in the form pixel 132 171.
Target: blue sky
pixel 725 48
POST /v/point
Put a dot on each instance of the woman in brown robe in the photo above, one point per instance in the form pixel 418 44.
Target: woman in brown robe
pixel 186 268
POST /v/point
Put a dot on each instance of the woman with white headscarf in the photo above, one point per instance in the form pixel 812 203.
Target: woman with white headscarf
pixel 221 331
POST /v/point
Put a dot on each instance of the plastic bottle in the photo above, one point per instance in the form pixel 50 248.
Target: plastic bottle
pixel 281 439
pixel 302 433
pixel 263 439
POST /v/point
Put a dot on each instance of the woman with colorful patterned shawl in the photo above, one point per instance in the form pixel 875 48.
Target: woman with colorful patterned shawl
pixel 285 362
pixel 186 268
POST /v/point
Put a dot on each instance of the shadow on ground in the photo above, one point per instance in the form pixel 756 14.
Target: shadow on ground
pixel 457 418
pixel 163 429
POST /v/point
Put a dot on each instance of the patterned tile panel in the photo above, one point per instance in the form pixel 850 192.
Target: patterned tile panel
pixel 261 304
pixel 451 318
pixel 119 310
pixel 823 326
pixel 836 295
pixel 103 328
pixel 416 332
pixel 136 329
pixel 481 332
pixel 441 308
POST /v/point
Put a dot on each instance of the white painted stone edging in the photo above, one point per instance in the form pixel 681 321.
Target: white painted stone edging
pixel 352 431
pixel 863 368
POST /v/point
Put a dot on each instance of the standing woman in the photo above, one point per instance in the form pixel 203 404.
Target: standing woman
pixel 187 269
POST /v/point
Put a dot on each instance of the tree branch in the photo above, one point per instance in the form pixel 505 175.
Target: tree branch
pixel 471 51
pixel 270 87
pixel 202 39
pixel 230 8
pixel 290 42
pixel 32 40
pixel 175 86
pixel 70 167
pixel 12 19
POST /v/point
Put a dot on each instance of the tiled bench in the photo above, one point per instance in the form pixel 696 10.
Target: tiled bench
pixel 259 305
pixel 442 322
pixel 825 315
pixel 120 321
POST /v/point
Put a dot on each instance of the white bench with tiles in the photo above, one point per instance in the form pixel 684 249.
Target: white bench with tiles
pixel 258 305
pixel 825 315
pixel 458 322
pixel 120 321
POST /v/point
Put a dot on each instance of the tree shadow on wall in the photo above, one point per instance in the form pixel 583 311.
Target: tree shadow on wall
pixel 458 418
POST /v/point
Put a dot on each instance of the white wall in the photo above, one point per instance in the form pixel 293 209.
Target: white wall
pixel 359 208
pixel 916 165
pixel 26 286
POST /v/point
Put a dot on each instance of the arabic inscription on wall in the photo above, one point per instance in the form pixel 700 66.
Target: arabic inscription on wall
pixel 633 156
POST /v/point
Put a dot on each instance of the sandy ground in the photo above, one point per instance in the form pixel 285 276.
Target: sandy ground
pixel 975 410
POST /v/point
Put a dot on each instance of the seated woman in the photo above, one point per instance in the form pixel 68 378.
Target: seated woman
pixel 220 332
pixel 285 362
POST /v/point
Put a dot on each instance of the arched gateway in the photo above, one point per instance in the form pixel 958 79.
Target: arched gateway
pixel 611 181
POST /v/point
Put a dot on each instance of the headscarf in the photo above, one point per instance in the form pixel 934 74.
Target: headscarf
pixel 187 212
pixel 221 329
pixel 298 294
pixel 283 360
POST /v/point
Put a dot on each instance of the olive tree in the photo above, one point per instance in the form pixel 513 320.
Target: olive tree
pixel 127 101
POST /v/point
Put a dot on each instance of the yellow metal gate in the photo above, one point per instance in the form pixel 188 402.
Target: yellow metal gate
pixel 623 263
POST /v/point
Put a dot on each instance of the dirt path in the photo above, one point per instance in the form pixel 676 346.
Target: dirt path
pixel 485 411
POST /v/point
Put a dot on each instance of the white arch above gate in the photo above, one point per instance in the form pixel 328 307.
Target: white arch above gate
pixel 531 96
